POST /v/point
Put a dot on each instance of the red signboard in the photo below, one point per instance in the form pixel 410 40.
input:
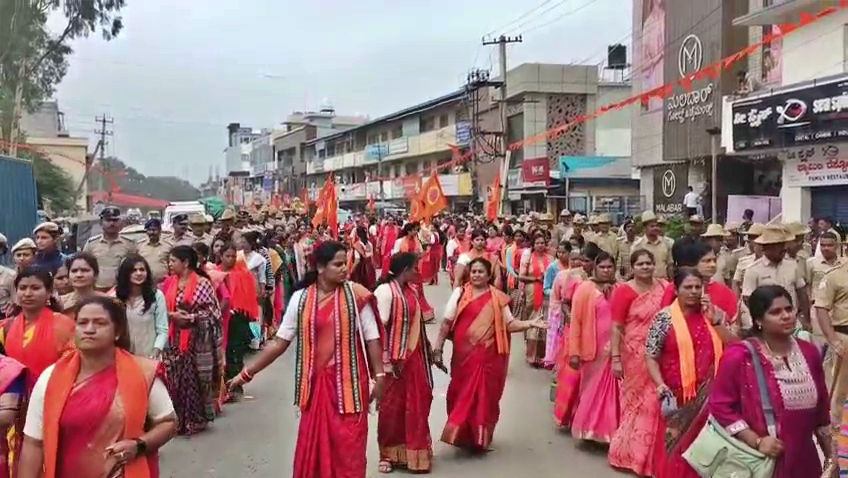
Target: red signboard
pixel 536 172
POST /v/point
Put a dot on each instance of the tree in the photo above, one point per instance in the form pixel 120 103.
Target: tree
pixel 33 60
pixel 53 184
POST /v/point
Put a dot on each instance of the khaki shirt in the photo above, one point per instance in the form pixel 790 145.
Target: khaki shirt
pixel 745 261
pixel 109 255
pixel 832 295
pixel 206 238
pixel 561 233
pixel 764 272
pixel 622 261
pixel 157 256
pixel 732 262
pixel 816 268
pixel 186 240
pixel 722 258
pixel 7 286
pixel 608 243
pixel 661 250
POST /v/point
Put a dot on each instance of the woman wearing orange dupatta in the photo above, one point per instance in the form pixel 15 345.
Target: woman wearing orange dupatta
pixel 478 321
pixel 567 381
pixel 408 242
pixel 534 263
pixel 597 414
pixel 338 344
pixel 99 412
pixel 478 249
pixel 194 359
pixel 684 345
pixel 634 306
pixel 12 392
pixel 403 429
pixel 244 309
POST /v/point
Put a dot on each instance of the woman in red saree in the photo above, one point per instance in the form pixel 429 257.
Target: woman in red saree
pixel 635 303
pixel 534 263
pixel 331 379
pixel 403 429
pixel 99 412
pixel 359 263
pixel 388 235
pixel 409 242
pixel 194 358
pixel 437 251
pixel 596 416
pixel 684 345
pixel 478 321
pixel 478 249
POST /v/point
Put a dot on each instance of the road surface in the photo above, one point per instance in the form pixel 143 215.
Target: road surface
pixel 256 438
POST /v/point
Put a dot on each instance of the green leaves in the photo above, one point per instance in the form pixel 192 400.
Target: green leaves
pixel 54 185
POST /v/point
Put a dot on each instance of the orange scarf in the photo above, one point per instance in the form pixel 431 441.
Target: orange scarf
pixel 581 335
pixel 44 349
pixel 538 266
pixel 498 301
pixel 686 350
pixel 133 390
pixel 171 292
pixel 240 284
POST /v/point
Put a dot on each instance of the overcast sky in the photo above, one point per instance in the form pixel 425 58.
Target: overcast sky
pixel 182 70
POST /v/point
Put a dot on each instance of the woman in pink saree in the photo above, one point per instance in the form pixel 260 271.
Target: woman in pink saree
pixel 99 412
pixel 596 416
pixel 12 390
pixel 634 306
pixel 796 386
pixel 555 311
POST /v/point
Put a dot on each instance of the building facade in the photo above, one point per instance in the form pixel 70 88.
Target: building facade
pixel 44 129
pixel 676 138
pixel 794 113
pixel 587 168
pixel 387 158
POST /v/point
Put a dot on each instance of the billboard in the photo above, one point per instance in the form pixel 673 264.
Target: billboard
pixel 650 50
pixel 670 184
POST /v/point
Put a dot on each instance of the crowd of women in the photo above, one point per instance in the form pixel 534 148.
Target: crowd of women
pixel 93 382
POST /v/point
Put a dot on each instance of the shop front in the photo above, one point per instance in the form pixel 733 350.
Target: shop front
pixel 805 126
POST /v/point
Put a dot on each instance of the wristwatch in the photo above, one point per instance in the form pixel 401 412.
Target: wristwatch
pixel 140 447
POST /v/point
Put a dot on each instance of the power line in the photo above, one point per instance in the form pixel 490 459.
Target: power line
pixel 559 17
pixel 521 17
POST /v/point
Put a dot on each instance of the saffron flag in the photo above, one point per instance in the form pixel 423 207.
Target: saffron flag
pixel 325 203
pixel 372 206
pixel 493 202
pixel 433 198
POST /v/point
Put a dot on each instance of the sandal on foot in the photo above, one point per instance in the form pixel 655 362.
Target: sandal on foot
pixel 385 467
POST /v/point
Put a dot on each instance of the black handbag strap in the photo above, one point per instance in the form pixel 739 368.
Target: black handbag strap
pixel 768 409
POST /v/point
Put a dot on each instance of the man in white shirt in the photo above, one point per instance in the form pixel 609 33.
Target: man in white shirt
pixel 690 202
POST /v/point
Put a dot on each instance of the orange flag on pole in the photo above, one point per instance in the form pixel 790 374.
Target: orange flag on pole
pixel 372 206
pixel 325 202
pixel 433 198
pixel 493 202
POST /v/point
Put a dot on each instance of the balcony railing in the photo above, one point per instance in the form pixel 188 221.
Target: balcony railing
pixel 778 12
pixel 400 148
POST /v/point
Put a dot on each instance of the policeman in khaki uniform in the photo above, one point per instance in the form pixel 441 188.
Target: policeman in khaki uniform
pixel 181 236
pixel 625 248
pixel 747 255
pixel 714 236
pixel 109 248
pixel 606 240
pixel 729 251
pixel 795 247
pixel 590 232
pixel 831 304
pixel 775 268
pixel 197 222
pixel 654 242
pixel 155 249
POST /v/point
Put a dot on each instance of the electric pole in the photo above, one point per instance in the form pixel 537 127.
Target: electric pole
pixel 104 167
pixel 502 41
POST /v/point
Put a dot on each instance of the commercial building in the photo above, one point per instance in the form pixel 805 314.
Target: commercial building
pixel 386 158
pixel 588 167
pixel 796 114
pixel 675 138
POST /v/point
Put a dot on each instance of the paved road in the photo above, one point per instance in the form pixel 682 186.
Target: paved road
pixel 256 438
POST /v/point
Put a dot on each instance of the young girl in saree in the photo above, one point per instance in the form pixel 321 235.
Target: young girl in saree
pixel 99 412
pixel 533 264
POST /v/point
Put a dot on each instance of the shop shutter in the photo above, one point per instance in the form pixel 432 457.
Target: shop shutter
pixel 830 201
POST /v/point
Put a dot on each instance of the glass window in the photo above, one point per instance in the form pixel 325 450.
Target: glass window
pixel 443 121
pixel 397 131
